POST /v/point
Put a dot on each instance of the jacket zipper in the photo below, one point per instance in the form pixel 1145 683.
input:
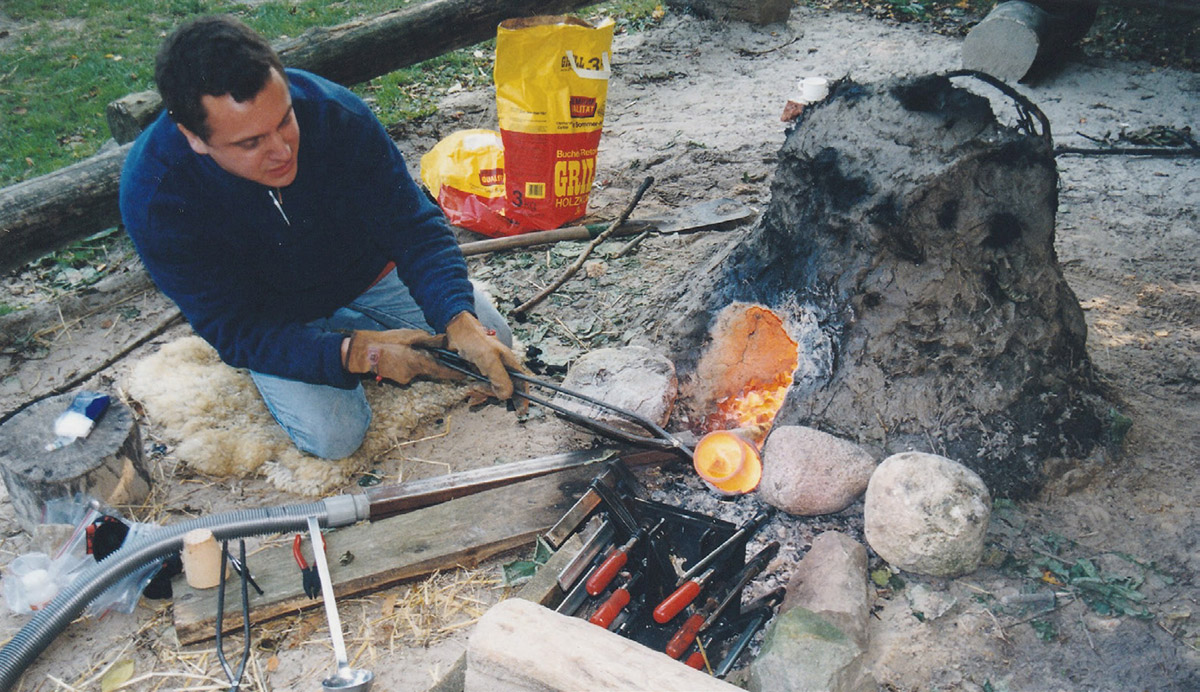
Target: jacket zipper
pixel 279 205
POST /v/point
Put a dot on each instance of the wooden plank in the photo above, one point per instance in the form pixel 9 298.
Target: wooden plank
pixel 542 589
pixel 458 533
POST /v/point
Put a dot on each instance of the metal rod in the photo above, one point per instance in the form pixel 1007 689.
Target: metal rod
pixel 740 534
pixel 660 438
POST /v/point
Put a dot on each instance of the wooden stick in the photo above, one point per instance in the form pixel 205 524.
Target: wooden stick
pixel 575 267
pixel 480 247
pixel 391 500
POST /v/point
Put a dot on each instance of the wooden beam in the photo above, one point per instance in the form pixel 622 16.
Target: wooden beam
pixel 357 51
pixel 458 533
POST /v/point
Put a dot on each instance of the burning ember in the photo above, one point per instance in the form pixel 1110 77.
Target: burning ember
pixel 741 382
pixel 753 409
pixel 746 372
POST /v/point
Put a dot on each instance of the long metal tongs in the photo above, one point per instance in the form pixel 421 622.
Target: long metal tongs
pixel 656 436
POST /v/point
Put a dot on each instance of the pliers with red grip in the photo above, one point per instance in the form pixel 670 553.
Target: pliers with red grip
pixel 308 573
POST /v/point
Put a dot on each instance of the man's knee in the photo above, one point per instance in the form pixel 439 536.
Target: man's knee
pixel 333 441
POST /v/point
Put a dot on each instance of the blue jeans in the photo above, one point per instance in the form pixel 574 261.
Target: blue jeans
pixel 330 422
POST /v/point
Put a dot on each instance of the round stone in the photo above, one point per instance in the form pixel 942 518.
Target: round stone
pixel 927 514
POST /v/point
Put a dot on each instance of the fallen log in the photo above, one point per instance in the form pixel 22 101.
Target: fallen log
pixel 39 215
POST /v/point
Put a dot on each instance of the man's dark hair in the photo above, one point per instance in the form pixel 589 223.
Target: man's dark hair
pixel 211 56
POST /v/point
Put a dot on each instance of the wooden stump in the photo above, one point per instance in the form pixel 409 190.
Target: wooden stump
pixel 1017 35
pixel 108 464
pixel 129 115
pixel 909 247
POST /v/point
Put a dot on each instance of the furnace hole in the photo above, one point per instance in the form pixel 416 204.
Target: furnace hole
pixel 745 371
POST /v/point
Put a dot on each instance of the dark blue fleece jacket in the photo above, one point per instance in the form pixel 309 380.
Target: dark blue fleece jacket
pixel 246 280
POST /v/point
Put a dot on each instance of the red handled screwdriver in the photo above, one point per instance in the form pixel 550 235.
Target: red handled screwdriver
pixel 696 660
pixel 686 634
pixel 609 610
pixel 681 597
pixel 603 575
pixel 712 610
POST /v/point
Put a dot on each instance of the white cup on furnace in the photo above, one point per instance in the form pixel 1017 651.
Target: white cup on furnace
pixel 813 89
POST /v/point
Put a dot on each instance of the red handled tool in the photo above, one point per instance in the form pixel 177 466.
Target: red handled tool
pixel 603 575
pixel 686 634
pixel 706 616
pixel 308 573
pixel 681 597
pixel 610 609
pixel 696 660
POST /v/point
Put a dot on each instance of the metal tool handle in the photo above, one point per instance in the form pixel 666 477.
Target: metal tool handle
pixel 331 613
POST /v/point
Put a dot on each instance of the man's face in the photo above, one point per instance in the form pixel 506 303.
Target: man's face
pixel 257 140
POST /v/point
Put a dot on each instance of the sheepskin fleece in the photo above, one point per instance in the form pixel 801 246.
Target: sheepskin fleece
pixel 221 427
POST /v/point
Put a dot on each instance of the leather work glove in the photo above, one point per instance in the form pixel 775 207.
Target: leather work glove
pixel 397 355
pixel 471 340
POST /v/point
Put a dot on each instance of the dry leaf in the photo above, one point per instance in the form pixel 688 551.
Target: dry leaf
pixel 119 674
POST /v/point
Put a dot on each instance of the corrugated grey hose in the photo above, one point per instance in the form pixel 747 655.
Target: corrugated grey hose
pixel 156 544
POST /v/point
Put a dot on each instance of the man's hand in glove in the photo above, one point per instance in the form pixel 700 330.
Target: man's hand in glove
pixel 397 355
pixel 471 340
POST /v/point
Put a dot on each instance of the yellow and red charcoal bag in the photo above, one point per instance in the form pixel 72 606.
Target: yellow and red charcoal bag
pixel 551 78
pixel 465 174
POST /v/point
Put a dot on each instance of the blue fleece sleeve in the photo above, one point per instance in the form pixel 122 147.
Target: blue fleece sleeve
pixel 410 229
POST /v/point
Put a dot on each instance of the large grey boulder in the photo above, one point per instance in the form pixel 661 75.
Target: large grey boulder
pixel 927 514
pixel 808 472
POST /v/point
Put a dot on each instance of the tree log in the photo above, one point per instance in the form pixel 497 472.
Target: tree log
pixel 1016 35
pixel 108 464
pixel 52 210
pixel 129 115
pixel 44 213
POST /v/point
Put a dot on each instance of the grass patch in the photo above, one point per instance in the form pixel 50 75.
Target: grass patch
pixel 64 62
